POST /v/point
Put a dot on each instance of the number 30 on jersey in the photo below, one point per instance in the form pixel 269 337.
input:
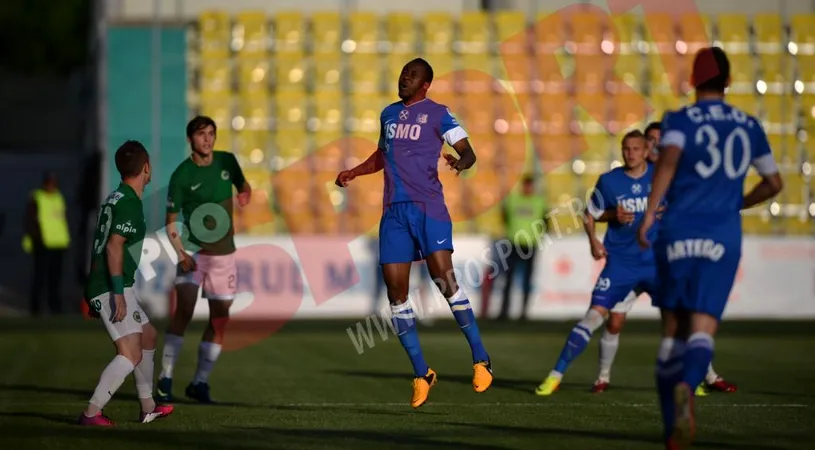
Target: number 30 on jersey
pixel 723 157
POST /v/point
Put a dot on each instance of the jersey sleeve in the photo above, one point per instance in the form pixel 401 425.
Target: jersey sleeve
pixel 451 131
pixel 127 218
pixel 761 152
pixel 601 199
pixel 381 144
pixel 673 133
pixel 175 194
pixel 235 171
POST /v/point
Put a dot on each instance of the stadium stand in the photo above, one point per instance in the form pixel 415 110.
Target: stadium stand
pixel 283 86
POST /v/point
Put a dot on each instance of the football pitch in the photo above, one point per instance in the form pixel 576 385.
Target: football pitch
pixel 307 387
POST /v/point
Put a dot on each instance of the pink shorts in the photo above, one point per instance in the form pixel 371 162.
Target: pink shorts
pixel 216 274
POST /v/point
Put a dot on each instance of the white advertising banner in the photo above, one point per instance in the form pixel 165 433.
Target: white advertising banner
pixel 290 277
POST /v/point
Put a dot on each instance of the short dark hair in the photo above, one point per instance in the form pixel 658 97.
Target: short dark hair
pixel 633 134
pixel 652 126
pixel 711 70
pixel 199 122
pixel 428 69
pixel 131 158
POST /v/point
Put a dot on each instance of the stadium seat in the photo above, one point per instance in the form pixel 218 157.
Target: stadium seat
pixel 590 73
pixel 437 28
pixel 365 111
pixel 326 31
pixel 290 146
pixel 661 32
pixel 628 69
pixel 555 113
pixel 629 110
pixel 802 33
pixel 490 222
pixel 474 33
pixel 695 32
pixel 587 29
pixel 510 32
pixel 253 108
pixel 591 113
pixel 624 33
pixel 257 217
pixel 477 73
pixel 514 119
pixel 733 33
pixel 329 155
pixel 291 72
pixel 796 191
pixel 454 189
pixel 550 33
pixel 253 76
pixel 517 69
pixel 329 112
pixel 215 76
pixel 556 151
pixel 477 113
pixel 806 74
pixel 293 198
pixel 559 187
pixel 785 147
pixel 808 113
pixel 250 35
pixel 748 103
pixel 215 34
pixel 664 73
pixel 252 147
pixel 594 149
pixel 798 223
pixel 586 184
pixel 328 72
pixel 777 73
pixel 742 73
pixel 291 111
pixel 402 32
pixel 364 32
pixel 777 114
pixel 663 102
pixel 324 138
pixel 219 106
pixel 757 221
pixel 289 31
pixel 769 33
pixel 486 147
pixel 365 74
pixel 516 154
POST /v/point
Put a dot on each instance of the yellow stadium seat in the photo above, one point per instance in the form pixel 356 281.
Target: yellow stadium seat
pixel 292 72
pixel 490 222
pixel 477 72
pixel 662 102
pixel 661 32
pixel 769 31
pixel 328 72
pixel 776 72
pixel 474 35
pixel 257 217
pixel 795 190
pixel 516 154
pixel 219 106
pixel 802 33
pixel 365 75
pixel 326 138
pixel 364 32
pixel 250 35
pixel 326 31
pixel 254 112
pixel 509 26
pixel 591 113
pixel 624 33
pixel 291 111
pixel 252 147
pixel 329 114
pixel 289 31
pixel 784 147
pixel 294 199
pixel 290 146
pixel 664 75
pixel 560 188
pixel 587 182
pixel 805 81
pixel 594 149
pixel 733 33
pixel 587 31
pixel 215 76
pixel 402 32
pixel 253 76
pixel 808 113
pixel 437 30
pixel 215 34
pixel 798 224
pixel 742 73
pixel 628 68
pixel 757 221
pixel 695 32
pixel 777 114
pixel 745 102
pixel 365 113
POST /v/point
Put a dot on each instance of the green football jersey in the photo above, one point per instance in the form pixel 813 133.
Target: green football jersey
pixel 203 196
pixel 121 213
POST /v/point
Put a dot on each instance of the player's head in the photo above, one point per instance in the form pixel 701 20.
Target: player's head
pixel 201 133
pixel 653 133
pixel 133 162
pixel 711 71
pixel 528 185
pixel 415 80
pixel 49 180
pixel 635 149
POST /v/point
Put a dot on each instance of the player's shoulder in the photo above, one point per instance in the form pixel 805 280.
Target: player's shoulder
pixel 223 155
pixel 612 174
pixel 392 108
pixel 183 167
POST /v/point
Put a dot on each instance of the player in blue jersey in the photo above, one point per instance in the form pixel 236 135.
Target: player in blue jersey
pixel 705 152
pixel 619 198
pixel 415 222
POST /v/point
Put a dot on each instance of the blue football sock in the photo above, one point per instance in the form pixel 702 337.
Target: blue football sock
pixel 668 374
pixel 698 355
pixel 578 340
pixel 404 322
pixel 463 312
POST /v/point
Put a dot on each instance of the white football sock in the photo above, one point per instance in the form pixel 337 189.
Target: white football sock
pixel 608 350
pixel 109 382
pixel 711 376
pixel 143 373
pixel 207 355
pixel 172 347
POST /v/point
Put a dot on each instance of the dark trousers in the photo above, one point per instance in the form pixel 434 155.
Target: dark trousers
pixel 519 259
pixel 47 276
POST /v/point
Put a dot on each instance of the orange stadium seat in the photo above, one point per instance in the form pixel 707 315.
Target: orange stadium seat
pixel 290 146
pixel 510 32
pixel 695 32
pixel 289 31
pixel 550 32
pixel 257 217
pixel 662 34
pixel 401 32
pixel 587 29
pixel 555 112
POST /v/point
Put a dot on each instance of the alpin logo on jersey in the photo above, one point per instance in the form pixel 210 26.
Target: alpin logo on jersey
pixel 126 227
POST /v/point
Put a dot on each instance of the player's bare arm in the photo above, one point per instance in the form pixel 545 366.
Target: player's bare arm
pixel 373 164
pixel 598 250
pixel 244 194
pixel 769 186
pixel 466 156
pixel 663 175
pixel 115 250
pixel 184 259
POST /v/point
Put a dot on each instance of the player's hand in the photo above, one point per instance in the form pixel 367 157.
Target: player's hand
pixel 119 311
pixel 186 262
pixel 623 216
pixel 93 312
pixel 453 163
pixel 244 198
pixel 598 250
pixel 660 210
pixel 344 178
pixel 642 233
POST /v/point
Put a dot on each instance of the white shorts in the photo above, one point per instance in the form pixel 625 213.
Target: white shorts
pixel 216 274
pixel 625 306
pixel 133 321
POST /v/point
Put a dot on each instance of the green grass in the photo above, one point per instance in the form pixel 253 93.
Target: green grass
pixel 306 387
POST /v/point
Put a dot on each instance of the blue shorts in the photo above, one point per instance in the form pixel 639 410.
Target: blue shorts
pixel 619 278
pixel 407 233
pixel 696 274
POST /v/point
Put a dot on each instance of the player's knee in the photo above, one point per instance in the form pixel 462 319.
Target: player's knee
pixel 148 336
pixel 130 347
pixel 615 323
pixel 397 294
pixel 594 319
